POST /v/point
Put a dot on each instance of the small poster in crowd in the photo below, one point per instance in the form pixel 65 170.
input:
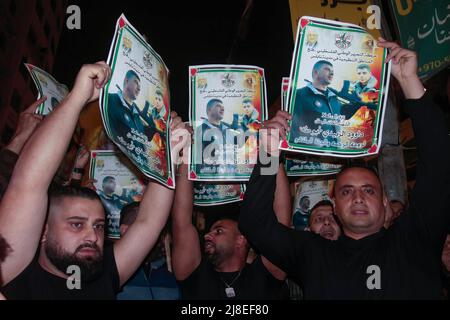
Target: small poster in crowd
pixel 284 92
pixel 300 167
pixel 307 195
pixel 47 86
pixel 118 183
pixel 338 90
pixel 227 107
pixel 135 104
pixel 210 194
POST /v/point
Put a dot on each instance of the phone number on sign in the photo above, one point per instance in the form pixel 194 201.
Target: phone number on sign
pixel 436 64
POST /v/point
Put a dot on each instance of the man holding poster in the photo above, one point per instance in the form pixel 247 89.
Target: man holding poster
pixel 367 261
pixel 57 234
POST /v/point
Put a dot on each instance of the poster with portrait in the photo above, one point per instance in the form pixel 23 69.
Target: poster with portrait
pixel 47 86
pixel 296 167
pixel 338 90
pixel 227 106
pixel 284 91
pixel 118 183
pixel 213 194
pixel 135 105
pixel 307 194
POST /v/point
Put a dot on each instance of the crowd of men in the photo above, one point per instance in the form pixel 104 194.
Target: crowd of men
pixel 358 246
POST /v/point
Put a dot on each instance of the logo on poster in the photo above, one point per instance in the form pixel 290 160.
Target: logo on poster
pixel 148 60
pixel 228 80
pixel 343 40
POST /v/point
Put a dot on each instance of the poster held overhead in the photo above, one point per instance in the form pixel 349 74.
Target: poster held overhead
pixel 338 90
pixel 135 105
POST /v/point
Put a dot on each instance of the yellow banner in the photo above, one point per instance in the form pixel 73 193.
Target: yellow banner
pixel 345 11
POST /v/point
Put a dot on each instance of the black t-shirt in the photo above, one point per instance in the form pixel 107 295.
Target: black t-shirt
pixel 254 283
pixel 403 262
pixel 34 283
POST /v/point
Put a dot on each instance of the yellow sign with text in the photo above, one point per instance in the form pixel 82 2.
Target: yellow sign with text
pixel 360 12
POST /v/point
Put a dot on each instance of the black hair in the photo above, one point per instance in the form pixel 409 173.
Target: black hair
pixel 108 178
pixel 57 192
pixel 320 204
pixel 211 103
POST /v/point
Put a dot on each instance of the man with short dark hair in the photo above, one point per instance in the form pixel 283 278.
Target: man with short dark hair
pixel 315 99
pixel 366 81
pixel 122 111
pixel 112 204
pixel 215 135
pixel 322 221
pixel 156 117
pixel 61 255
pixel 222 273
pixel 152 281
pixel 250 116
pixel 367 261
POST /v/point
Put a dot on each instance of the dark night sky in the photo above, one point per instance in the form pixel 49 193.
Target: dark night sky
pixel 184 33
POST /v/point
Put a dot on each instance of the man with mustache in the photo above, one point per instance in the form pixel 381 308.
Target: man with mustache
pixel 57 237
pixel 367 261
pixel 223 272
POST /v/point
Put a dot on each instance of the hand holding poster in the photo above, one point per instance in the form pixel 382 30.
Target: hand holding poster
pixel 227 107
pixel 49 87
pixel 209 194
pixel 135 104
pixel 338 90
pixel 117 183
pixel 424 27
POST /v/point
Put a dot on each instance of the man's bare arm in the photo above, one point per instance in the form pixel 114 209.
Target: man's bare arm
pixel 24 205
pixel 154 210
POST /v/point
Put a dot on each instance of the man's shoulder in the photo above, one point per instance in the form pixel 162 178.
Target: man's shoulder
pixel 305 91
pixel 113 97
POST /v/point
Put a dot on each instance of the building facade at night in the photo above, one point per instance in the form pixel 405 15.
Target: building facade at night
pixel 29 33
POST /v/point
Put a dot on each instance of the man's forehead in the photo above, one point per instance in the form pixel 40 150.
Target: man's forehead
pixel 224 223
pixel 323 210
pixel 358 177
pixel 70 207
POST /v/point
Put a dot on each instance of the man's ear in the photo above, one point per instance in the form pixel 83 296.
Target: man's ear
pixel 385 200
pixel 44 234
pixel 241 241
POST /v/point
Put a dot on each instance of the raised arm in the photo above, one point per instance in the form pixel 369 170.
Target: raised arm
pixel 27 124
pixel 283 211
pixel 283 246
pixel 429 202
pixel 24 206
pixel 154 210
pixel 186 252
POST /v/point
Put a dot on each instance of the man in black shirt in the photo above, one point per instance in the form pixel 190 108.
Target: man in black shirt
pixel 224 273
pixel 71 262
pixel 367 261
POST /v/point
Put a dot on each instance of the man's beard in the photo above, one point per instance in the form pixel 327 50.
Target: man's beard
pixel 216 257
pixel 90 268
